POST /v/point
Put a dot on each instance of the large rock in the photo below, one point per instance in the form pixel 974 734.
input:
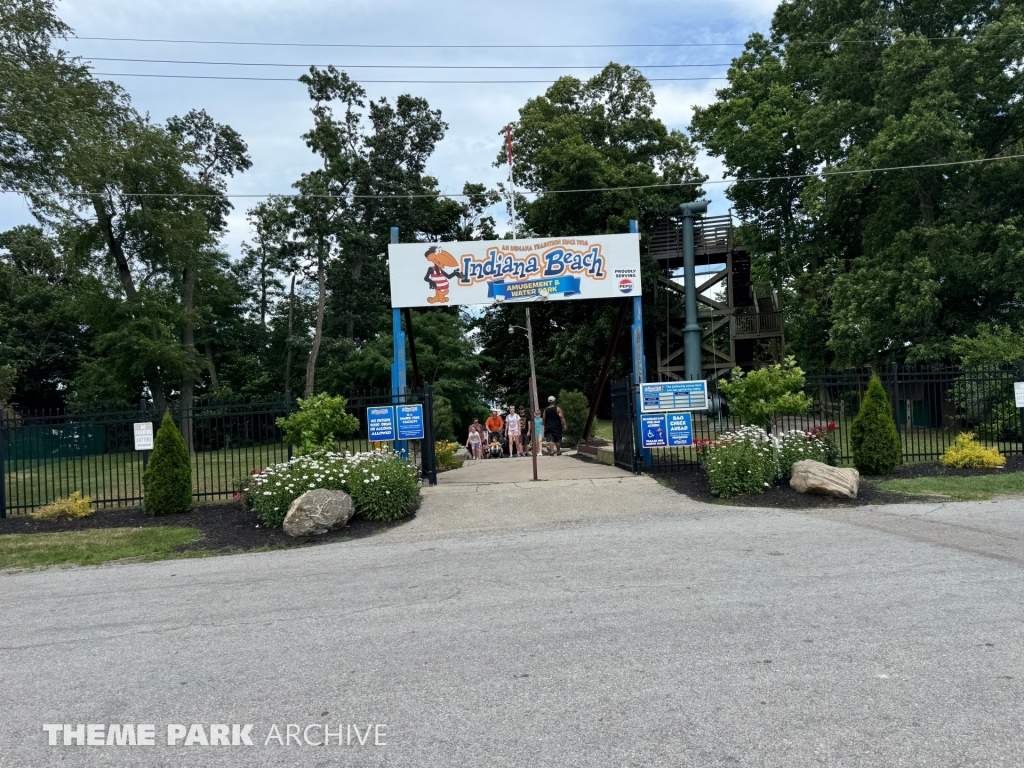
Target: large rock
pixel 318 511
pixel 814 477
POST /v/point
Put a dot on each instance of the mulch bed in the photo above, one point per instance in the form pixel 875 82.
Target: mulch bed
pixel 225 527
pixel 694 483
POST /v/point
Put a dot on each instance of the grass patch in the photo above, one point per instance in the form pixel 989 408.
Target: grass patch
pixel 91 547
pixel 971 488
pixel 602 428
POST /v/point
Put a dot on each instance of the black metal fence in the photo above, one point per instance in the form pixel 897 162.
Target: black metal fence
pixel 931 406
pixel 46 456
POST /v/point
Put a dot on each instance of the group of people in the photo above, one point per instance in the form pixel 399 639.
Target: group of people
pixel 516 429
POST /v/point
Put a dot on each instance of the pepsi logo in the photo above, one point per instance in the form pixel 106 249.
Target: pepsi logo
pixel 626 285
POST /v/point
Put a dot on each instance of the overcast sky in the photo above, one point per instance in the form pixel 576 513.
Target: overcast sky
pixel 271 116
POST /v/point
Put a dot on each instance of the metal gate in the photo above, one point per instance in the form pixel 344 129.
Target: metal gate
pixel 622 425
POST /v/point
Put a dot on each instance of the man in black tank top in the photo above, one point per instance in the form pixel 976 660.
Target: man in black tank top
pixel 554 423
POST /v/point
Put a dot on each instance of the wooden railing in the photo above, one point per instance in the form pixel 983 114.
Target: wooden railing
pixel 760 324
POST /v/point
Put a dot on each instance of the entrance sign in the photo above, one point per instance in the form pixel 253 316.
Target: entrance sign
pixel 380 424
pixel 495 271
pixel 410 422
pixel 1018 393
pixel 674 396
pixel 652 431
pixel 143 436
pixel 680 429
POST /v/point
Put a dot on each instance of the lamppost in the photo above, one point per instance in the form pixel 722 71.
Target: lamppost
pixel 533 388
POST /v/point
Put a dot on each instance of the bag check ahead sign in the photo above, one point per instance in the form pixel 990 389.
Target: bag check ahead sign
pixel 492 271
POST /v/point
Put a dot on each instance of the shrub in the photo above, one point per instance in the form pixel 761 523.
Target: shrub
pixel 876 445
pixel 967 452
pixel 797 445
pixel 384 487
pixel 444 454
pixel 74 507
pixel 444 419
pixel 167 481
pixel 739 462
pixel 1001 423
pixel 393 494
pixel 762 396
pixel 320 421
pixel 575 407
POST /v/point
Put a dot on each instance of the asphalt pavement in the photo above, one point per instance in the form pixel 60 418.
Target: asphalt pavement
pixel 578 621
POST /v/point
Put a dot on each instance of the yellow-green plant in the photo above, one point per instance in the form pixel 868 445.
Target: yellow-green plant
pixel 444 452
pixel 967 452
pixel 73 507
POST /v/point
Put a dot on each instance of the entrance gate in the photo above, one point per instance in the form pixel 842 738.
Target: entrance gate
pixel 623 428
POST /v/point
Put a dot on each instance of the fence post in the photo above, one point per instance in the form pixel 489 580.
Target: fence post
pixel 3 467
pixel 1020 377
pixel 429 459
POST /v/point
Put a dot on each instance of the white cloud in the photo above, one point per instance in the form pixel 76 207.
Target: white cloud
pixel 271 116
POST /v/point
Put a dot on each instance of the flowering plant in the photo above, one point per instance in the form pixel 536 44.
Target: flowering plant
pixel 739 462
pixel 394 492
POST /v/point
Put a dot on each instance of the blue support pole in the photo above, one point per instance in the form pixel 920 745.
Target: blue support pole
pixel 398 387
pixel 639 360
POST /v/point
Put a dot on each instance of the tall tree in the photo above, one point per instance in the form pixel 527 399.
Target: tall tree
pixel 599 134
pixel 881 266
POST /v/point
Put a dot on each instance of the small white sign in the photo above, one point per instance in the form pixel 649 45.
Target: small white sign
pixel 1018 393
pixel 144 436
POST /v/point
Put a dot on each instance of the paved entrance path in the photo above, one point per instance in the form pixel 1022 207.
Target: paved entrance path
pixel 599 621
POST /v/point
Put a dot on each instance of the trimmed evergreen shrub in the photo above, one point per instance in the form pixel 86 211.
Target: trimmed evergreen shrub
pixel 967 452
pixel 167 481
pixel 877 449
pixel 74 507
pixel 444 419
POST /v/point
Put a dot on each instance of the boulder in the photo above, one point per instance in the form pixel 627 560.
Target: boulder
pixel 318 511
pixel 815 477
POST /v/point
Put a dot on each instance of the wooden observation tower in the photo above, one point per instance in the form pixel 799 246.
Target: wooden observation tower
pixel 741 326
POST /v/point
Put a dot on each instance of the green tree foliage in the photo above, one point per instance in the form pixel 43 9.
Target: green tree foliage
pixel 874 439
pixel 7 376
pixel 444 420
pixel 991 345
pixel 880 267
pixel 584 135
pixel 762 396
pixel 575 407
pixel 167 481
pixel 319 423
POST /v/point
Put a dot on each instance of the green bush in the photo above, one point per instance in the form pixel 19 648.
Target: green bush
pixel 877 449
pixel 444 419
pixel 320 422
pixel 271 491
pixel 762 396
pixel 575 407
pixel 797 445
pixel 74 507
pixel 738 462
pixel 384 487
pixel 167 481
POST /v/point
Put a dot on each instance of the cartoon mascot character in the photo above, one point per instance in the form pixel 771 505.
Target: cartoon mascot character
pixel 436 277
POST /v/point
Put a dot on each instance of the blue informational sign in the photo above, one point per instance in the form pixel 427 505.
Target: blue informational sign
pixel 380 423
pixel 410 422
pixel 652 431
pixel 680 429
pixel 667 396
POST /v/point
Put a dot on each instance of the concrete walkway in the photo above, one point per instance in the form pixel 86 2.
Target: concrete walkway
pixel 500 495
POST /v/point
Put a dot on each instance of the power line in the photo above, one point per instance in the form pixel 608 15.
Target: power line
pixel 448 82
pixel 666 186
pixel 400 66
pixel 464 46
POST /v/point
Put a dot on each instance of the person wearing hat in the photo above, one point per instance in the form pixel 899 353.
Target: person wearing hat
pixel 554 424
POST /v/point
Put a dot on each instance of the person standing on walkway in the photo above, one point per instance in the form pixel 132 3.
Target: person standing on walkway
pixel 495 426
pixel 513 433
pixel 477 438
pixel 538 430
pixel 554 424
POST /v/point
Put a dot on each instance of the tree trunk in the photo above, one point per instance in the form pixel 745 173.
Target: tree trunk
pixel 288 340
pixel 188 343
pixel 321 279
pixel 124 272
pixel 210 366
